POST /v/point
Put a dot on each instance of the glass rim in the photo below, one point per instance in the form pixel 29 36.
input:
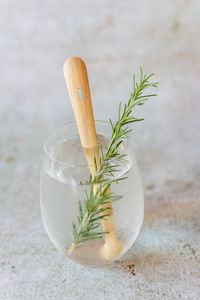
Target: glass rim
pixel 53 131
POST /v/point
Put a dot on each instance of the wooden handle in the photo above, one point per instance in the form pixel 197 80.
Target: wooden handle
pixel 78 86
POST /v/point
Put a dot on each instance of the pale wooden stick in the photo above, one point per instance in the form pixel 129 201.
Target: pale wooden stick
pixel 78 87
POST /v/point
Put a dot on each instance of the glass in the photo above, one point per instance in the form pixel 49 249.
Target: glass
pixel 64 167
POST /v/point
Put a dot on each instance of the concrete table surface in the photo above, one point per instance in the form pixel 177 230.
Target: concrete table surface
pixel 114 38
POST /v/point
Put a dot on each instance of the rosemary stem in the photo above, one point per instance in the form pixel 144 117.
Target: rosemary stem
pixel 73 245
pixel 85 219
pixel 72 248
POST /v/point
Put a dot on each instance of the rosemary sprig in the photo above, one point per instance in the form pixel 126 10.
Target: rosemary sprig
pixel 90 215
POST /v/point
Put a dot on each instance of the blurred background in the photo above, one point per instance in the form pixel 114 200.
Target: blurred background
pixel 114 38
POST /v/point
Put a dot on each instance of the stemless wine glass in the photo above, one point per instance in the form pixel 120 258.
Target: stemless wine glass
pixel 64 167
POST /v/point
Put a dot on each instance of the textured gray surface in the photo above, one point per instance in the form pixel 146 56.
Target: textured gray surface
pixel 114 38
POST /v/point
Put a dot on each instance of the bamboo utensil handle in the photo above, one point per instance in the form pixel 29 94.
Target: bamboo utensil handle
pixel 78 87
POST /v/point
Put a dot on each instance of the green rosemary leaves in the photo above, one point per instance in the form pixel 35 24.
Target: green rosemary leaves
pixel 90 213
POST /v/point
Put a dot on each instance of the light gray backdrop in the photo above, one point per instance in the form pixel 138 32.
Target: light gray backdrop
pixel 114 38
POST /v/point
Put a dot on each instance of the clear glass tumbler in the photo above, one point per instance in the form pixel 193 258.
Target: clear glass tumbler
pixel 64 167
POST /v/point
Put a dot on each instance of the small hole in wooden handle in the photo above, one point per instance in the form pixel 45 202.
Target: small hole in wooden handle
pixel 80 94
